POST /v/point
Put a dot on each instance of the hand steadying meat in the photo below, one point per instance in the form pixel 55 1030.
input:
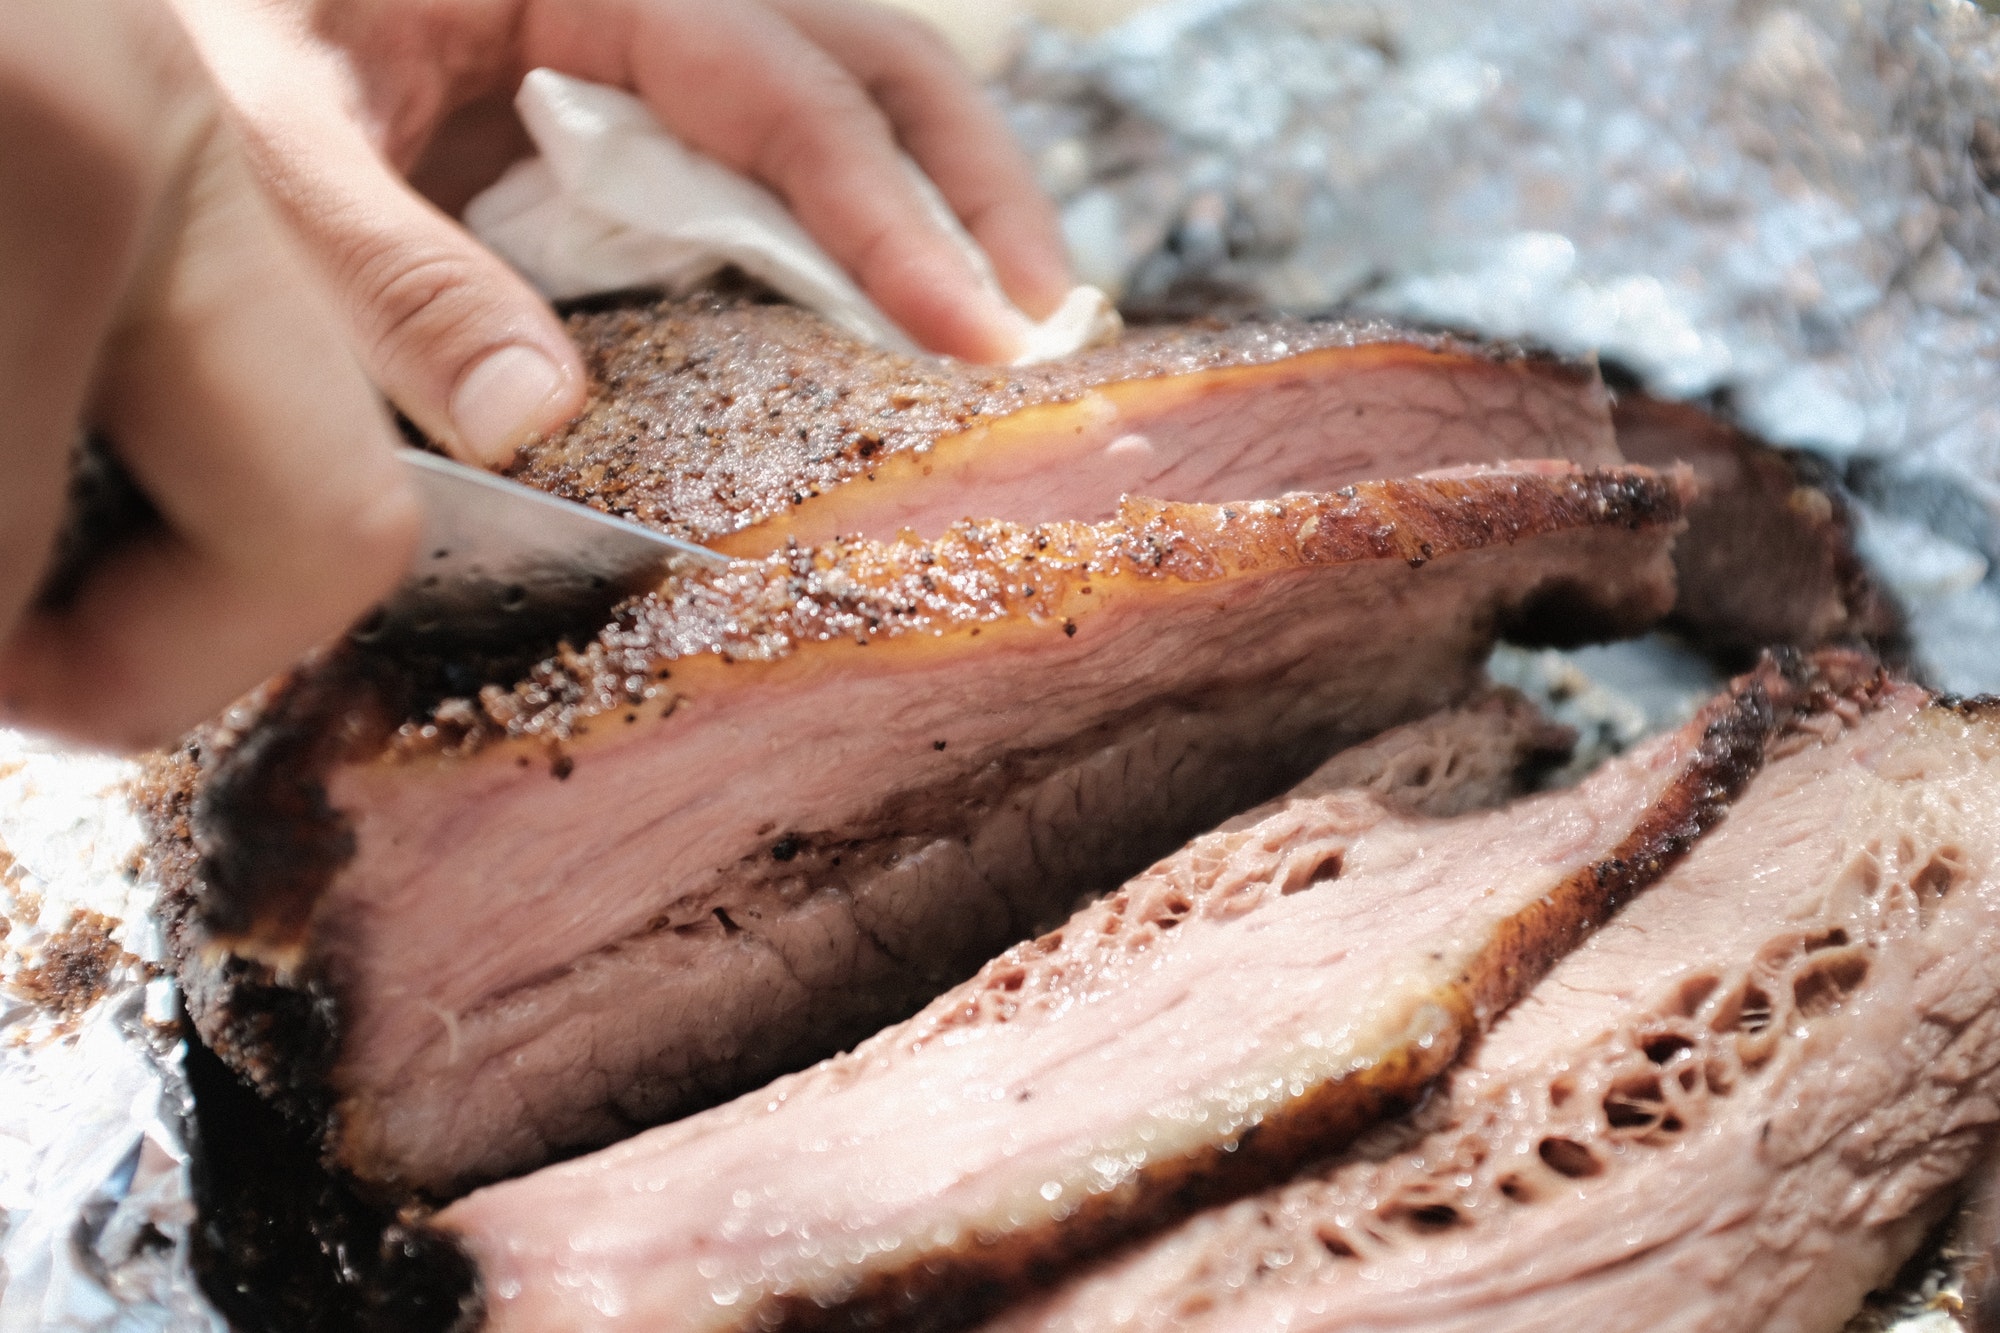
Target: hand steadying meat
pixel 147 290
pixel 358 109
pixel 224 336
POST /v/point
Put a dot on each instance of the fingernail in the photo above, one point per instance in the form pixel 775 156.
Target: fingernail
pixel 506 400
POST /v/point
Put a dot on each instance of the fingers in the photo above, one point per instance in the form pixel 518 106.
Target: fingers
pixel 956 134
pixel 745 85
pixel 233 402
pixel 455 337
pixel 818 101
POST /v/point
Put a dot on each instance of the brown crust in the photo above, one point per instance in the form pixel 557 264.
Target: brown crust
pixel 283 1245
pixel 1045 578
pixel 714 413
pixel 956 1289
pixel 281 1038
pixel 277 843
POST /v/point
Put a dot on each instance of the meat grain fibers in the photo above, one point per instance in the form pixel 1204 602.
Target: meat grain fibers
pixel 770 809
pixel 1245 1005
pixel 1739 1106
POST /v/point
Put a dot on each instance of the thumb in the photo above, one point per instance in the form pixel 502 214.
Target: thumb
pixel 455 337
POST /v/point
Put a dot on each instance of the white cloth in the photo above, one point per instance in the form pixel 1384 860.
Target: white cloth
pixel 615 201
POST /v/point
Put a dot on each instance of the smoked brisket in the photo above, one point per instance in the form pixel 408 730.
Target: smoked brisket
pixel 1768 558
pixel 767 810
pixel 1737 1108
pixel 747 424
pixel 1243 1007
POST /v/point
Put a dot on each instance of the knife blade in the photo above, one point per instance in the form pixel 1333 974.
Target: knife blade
pixel 500 559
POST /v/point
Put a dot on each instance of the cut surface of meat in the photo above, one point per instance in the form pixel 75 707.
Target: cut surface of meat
pixel 285 1248
pixel 747 425
pixel 770 809
pixel 1738 1107
pixel 1768 558
pixel 1245 1005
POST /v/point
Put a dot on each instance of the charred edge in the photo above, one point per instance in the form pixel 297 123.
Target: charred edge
pixel 1639 497
pixel 1632 498
pixel 284 1039
pixel 1730 754
pixel 240 840
pixel 957 1290
pixel 283 1246
pixel 269 840
pixel 1760 707
pixel 891 592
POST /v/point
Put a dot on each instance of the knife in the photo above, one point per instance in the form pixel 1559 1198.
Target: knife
pixel 500 559
pixel 499 562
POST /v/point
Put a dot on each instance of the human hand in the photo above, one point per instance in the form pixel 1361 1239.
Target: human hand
pixel 147 293
pixel 347 102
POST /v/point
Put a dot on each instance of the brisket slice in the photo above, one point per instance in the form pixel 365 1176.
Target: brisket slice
pixel 1736 1108
pixel 1246 1005
pixel 747 424
pixel 284 1247
pixel 1768 557
pixel 769 809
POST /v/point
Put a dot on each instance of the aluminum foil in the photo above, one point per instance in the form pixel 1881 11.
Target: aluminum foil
pixel 1788 206
pixel 95 1201
pixel 1785 206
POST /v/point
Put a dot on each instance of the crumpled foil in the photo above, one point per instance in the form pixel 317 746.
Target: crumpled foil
pixel 1785 206
pixel 95 1203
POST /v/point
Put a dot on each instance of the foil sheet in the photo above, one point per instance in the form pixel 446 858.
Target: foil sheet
pixel 1788 207
pixel 95 1199
pixel 1784 207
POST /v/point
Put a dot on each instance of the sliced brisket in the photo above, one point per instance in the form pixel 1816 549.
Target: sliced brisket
pixel 285 1248
pixel 1737 1107
pixel 746 424
pixel 1245 1005
pixel 1768 557
pixel 770 809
